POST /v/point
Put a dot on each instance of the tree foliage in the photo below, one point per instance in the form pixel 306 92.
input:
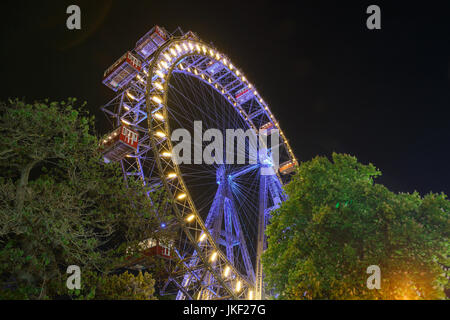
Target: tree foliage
pixel 124 286
pixel 337 222
pixel 60 205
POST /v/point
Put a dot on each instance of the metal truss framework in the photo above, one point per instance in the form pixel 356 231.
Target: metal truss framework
pixel 208 251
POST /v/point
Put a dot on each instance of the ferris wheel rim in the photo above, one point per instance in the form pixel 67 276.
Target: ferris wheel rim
pixel 157 150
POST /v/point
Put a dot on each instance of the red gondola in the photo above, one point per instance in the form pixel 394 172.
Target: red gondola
pixel 120 143
pixel 122 71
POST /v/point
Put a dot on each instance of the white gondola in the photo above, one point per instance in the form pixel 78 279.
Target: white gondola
pixel 152 40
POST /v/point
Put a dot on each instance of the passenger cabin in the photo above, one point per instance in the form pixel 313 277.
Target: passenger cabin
pixel 287 167
pixel 118 144
pixel 153 248
pixel 152 40
pixel 122 71
pixel 243 95
pixel 214 67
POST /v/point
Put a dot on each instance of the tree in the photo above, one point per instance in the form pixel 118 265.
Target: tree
pixel 337 222
pixel 124 286
pixel 60 205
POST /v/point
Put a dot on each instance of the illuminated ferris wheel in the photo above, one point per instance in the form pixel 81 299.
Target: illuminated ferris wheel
pixel 172 82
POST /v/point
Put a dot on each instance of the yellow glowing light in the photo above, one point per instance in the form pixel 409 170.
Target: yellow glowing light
pixel 171 175
pixel 214 256
pixel 250 295
pixel 173 52
pixel 190 218
pixel 131 96
pixel 178 48
pixel 166 154
pixel 157 99
pixel 164 64
pixel 191 46
pixel 185 47
pixel 158 116
pixel 238 286
pixel 181 196
pixel 160 134
pixel 126 122
pixel 226 272
pixel 158 85
pixel 202 237
pixel 167 56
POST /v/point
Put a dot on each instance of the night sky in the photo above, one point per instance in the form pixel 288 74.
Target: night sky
pixel 335 86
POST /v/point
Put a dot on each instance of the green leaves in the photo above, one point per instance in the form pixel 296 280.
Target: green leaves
pixel 75 210
pixel 337 222
pixel 125 286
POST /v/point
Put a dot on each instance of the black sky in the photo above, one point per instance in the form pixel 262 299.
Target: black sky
pixel 334 85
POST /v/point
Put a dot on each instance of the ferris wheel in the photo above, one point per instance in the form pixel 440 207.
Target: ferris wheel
pixel 177 83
